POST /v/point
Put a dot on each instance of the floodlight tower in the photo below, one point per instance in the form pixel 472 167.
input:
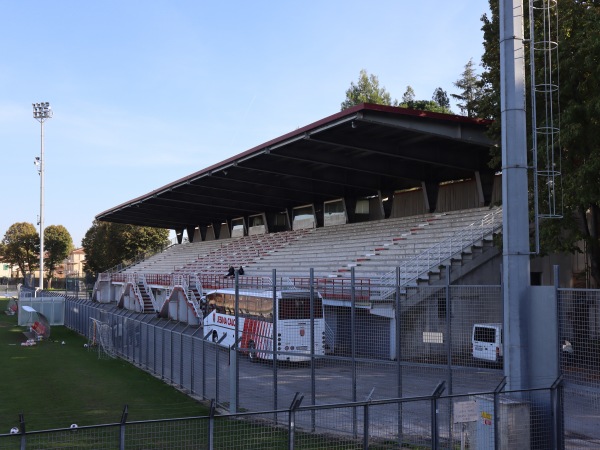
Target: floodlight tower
pixel 41 112
pixel 515 226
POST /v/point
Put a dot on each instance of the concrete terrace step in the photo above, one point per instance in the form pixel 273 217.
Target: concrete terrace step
pixel 367 247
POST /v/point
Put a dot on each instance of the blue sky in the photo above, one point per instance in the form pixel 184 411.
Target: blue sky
pixel 145 93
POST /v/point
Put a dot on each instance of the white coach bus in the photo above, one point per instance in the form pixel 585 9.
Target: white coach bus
pixel 256 316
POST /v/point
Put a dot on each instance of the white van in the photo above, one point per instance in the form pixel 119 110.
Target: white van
pixel 487 342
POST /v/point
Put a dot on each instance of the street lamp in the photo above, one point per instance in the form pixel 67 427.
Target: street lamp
pixel 41 112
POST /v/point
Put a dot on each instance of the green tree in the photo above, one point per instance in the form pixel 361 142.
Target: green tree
pixel 409 95
pixel 579 93
pixel 470 90
pixel 426 105
pixel 108 244
pixel 21 247
pixel 488 106
pixel 57 246
pixel 440 96
pixel 408 101
pixel 367 90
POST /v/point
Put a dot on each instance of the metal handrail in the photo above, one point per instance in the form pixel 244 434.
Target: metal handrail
pixel 435 255
pixel 131 279
pixel 142 278
pixel 141 257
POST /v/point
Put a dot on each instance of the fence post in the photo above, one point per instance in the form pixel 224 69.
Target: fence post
pixel 353 348
pixel 449 346
pixel 235 373
pixel 313 387
pixel 203 366
pixel 559 318
pixel 366 426
pixel 275 338
pixel 22 430
pixel 122 428
pixel 211 425
pixel 497 391
pixel 181 357
pixel 171 355
pixel 292 419
pixel 434 415
pixel 556 397
pixel 217 377
pixel 398 330
pixel 162 352
pixel 193 362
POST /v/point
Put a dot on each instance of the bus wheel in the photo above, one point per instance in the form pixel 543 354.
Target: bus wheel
pixel 252 352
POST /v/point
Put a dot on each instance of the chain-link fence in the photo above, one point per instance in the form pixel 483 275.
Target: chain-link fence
pixel 483 420
pixel 579 328
pixel 359 358
pixel 400 347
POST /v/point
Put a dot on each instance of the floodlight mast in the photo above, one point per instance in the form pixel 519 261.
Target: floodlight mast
pixel 515 220
pixel 41 112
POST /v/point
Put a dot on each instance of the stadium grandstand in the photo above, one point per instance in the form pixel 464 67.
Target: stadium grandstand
pixel 368 243
pixel 356 196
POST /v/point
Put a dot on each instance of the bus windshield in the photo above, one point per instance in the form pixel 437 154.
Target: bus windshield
pixel 299 308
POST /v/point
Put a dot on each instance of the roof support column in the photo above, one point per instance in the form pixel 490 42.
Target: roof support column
pixel 430 191
pixel 485 186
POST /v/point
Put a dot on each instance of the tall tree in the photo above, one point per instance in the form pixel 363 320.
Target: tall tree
pixel 488 106
pixel 367 90
pixel 579 58
pixel 579 93
pixel 21 247
pixel 426 105
pixel 409 95
pixel 408 101
pixel 57 246
pixel 440 96
pixel 109 244
pixel 470 90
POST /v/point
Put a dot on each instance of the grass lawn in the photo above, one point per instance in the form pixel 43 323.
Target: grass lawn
pixel 55 385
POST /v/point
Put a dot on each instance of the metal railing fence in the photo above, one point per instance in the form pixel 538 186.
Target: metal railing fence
pixel 495 419
pixel 441 253
pixel 403 351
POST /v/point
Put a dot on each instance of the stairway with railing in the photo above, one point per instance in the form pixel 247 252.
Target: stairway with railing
pixel 440 254
pixel 147 297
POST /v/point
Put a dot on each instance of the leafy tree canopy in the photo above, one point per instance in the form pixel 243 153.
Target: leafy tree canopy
pixel 426 105
pixel 408 101
pixel 470 90
pixel 21 246
pixel 440 97
pixel 108 244
pixel 57 246
pixel 579 93
pixel 409 95
pixel 367 90
pixel 579 58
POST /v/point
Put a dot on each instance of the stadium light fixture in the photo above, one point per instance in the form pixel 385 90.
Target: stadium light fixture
pixel 41 112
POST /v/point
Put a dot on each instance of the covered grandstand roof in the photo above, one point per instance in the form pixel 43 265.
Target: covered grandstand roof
pixel 359 152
